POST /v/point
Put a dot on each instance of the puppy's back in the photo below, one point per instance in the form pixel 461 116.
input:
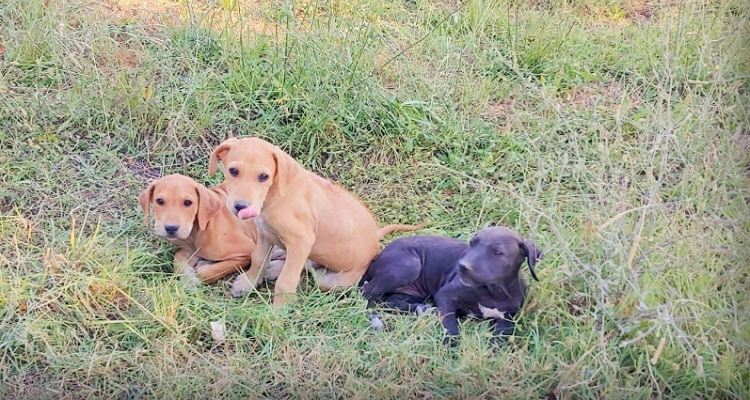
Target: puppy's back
pixel 438 254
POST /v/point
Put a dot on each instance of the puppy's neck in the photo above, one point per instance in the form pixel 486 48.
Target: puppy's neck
pixel 513 287
pixel 182 243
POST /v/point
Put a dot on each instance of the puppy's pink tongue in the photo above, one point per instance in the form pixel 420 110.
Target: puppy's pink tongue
pixel 248 212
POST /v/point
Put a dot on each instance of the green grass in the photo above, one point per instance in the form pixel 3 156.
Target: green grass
pixel 614 134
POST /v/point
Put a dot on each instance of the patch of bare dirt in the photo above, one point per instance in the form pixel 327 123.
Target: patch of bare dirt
pixel 636 11
pixel 640 11
pixel 388 66
pixel 247 19
pixel 142 169
pixel 150 12
pixel 609 95
pixel 496 109
pixel 121 58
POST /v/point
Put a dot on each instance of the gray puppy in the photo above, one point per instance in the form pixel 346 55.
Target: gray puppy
pixel 481 279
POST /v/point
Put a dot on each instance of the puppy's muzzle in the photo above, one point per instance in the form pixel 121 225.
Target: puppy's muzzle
pixel 463 268
pixel 239 206
pixel 465 273
pixel 244 210
pixel 171 230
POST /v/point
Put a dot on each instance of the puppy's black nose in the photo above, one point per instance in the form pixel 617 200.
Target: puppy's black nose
pixel 171 229
pixel 239 205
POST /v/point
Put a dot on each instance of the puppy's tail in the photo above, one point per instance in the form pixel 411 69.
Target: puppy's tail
pixel 382 232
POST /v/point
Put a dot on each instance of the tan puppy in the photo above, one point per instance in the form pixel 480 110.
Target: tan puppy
pixel 212 242
pixel 299 211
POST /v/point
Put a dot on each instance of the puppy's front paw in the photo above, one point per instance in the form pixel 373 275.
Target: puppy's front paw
pixel 190 281
pixel 200 269
pixel 241 286
pixel 376 323
pixel 281 299
pixel 423 309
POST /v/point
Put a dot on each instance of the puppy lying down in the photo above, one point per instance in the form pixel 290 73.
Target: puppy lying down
pixel 211 242
pixel 481 279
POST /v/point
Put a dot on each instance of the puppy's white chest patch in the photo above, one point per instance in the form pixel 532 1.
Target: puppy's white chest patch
pixel 491 312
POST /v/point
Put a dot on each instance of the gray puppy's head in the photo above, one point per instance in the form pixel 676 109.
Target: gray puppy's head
pixel 496 254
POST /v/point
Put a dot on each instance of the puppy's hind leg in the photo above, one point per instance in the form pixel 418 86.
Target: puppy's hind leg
pixel 329 280
pixel 397 301
pixel 390 270
pixel 406 303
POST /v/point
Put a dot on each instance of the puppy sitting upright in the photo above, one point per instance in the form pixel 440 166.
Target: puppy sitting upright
pixel 299 211
pixel 212 242
pixel 481 279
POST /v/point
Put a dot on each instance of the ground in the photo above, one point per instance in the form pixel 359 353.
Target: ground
pixel 612 133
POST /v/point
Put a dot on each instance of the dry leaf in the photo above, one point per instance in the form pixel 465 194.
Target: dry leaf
pixel 659 348
pixel 147 92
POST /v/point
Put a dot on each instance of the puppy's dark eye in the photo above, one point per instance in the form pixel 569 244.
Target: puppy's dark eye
pixel 234 172
pixel 160 202
pixel 498 252
pixel 473 242
pixel 263 177
pixel 188 203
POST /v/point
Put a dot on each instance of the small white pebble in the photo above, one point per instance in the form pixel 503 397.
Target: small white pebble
pixel 218 331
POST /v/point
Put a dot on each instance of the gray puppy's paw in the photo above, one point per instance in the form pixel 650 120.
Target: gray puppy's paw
pixel 424 309
pixel 190 281
pixel 376 323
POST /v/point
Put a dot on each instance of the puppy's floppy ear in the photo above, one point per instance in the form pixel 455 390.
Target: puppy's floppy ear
pixel 218 154
pixel 209 204
pixel 144 199
pixel 532 254
pixel 286 168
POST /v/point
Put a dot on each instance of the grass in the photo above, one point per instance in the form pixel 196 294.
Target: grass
pixel 614 134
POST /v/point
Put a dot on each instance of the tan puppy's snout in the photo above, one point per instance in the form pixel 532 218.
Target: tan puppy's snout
pixel 171 230
pixel 171 225
pixel 239 206
pixel 244 210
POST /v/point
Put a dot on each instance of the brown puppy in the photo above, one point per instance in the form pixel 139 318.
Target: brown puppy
pixel 212 242
pixel 299 211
